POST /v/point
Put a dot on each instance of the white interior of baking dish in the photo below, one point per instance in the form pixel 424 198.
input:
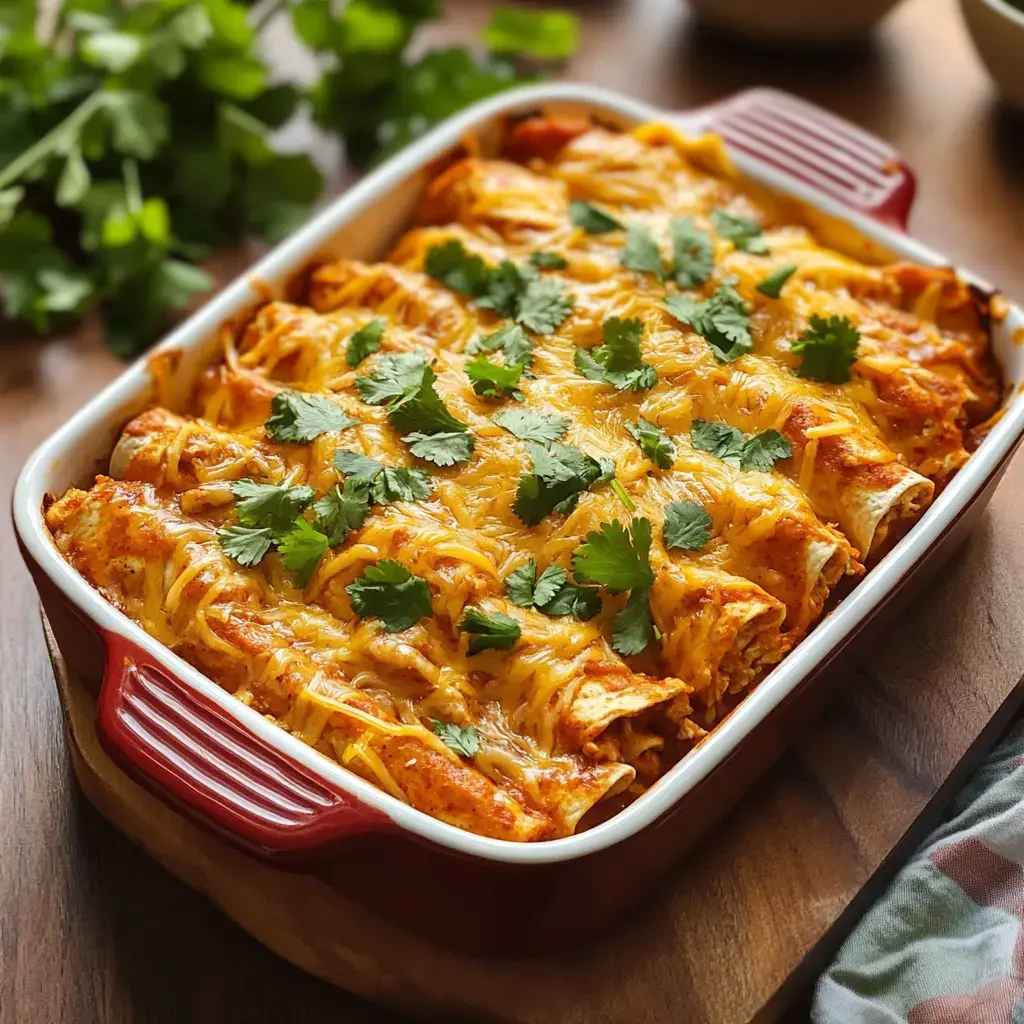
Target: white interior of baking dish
pixel 363 223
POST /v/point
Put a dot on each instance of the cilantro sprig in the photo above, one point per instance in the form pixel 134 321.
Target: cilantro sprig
pixel 492 380
pixel 687 526
pixel 298 418
pixel 829 349
pixel 619 361
pixel 641 253
pixel 772 285
pixel 745 234
pixel 511 340
pixel 723 321
pixel 561 473
pixel 592 219
pixel 389 592
pixel 758 452
pixel 493 631
pixel 383 484
pixel 654 442
pixel 463 739
pixel 693 253
pixel 552 592
pixel 528 425
pixel 365 341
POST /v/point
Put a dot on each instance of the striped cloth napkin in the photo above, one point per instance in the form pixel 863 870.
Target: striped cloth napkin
pixel 944 945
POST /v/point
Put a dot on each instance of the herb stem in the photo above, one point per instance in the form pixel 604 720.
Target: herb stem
pixel 620 493
pixel 49 142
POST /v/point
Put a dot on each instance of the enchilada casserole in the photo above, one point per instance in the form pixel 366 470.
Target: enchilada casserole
pixel 507 523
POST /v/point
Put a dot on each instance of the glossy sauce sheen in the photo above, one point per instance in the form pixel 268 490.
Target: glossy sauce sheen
pixel 568 729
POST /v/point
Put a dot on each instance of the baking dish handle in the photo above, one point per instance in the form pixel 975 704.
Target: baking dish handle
pixel 819 149
pixel 194 755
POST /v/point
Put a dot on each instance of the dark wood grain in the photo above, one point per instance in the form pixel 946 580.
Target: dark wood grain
pixel 92 930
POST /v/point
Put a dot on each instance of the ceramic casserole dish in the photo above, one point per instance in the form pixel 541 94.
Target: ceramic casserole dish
pixel 222 764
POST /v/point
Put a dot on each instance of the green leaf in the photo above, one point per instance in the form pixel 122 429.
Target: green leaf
pixel 242 133
pixel 693 253
pixel 547 261
pixel 74 179
pixel 275 106
pixel 592 220
pixel 633 627
pixel 299 419
pixel 389 592
pixel 365 341
pixel 640 253
pixel 512 340
pixel 154 221
pixel 532 426
pixel 501 289
pixel 619 361
pixel 543 35
pixel 367 28
pixel 554 594
pixel 233 74
pixel 761 450
pixel 9 199
pixel 687 526
pixel 582 602
pixel 111 51
pixel 342 510
pixel 548 584
pixel 119 228
pixel 138 123
pixel 497 631
pixel 191 27
pixel 772 284
pixel 245 544
pixel 519 584
pixel 463 740
pixel 406 383
pixel 301 550
pixel 273 506
pixel 400 483
pixel 442 449
pixel 723 320
pixel 829 349
pixel 615 558
pixel 560 474
pixel 729 444
pixel 278 193
pixel 744 234
pixel 456 268
pixel 491 380
pixel 177 282
pixel 64 291
pixel 358 467
pixel 654 442
pixel 313 23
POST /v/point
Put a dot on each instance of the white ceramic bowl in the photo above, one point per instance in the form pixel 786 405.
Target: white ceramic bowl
pixel 997 29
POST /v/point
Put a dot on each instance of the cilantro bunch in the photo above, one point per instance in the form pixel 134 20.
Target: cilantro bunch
pixel 136 139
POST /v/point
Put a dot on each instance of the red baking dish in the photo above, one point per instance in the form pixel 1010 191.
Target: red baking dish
pixel 224 766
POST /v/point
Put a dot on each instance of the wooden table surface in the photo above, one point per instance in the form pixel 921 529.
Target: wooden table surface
pixel 92 930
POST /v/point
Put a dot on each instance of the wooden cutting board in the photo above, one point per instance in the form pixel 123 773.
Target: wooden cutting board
pixel 753 913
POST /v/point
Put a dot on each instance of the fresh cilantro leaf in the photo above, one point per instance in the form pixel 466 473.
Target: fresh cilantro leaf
pixel 528 32
pixel 510 339
pixel 723 320
pixel 687 525
pixel 829 349
pixel 399 483
pixel 504 284
pixel 274 506
pixel 301 549
pixel 547 261
pixel 654 442
pixel 340 511
pixel 445 448
pixel 592 220
pixel 245 544
pixel 633 626
pixel 549 583
pixel 772 284
pixel 300 419
pixel 729 444
pixel 520 584
pixel 365 341
pixel 463 740
pixel 356 466
pixel 640 253
pixel 554 594
pixel 572 599
pixel 560 474
pixel 453 265
pixel 406 383
pixel 616 558
pixel 532 426
pixel 693 253
pixel 491 380
pixel 619 360
pixel 497 631
pixel 745 234
pixel 389 592
pixel 544 305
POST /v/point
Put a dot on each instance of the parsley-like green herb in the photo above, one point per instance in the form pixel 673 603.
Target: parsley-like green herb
pixel 723 321
pixel 640 253
pixel 560 474
pixel 547 261
pixel 342 510
pixel 633 627
pixel 496 631
pixel 693 253
pixel 299 419
pixel 828 348
pixel 553 593
pixel 729 444
pixel 457 268
pixel 511 339
pixel 445 448
pixel 301 549
pixel 358 467
pixel 773 283
pixel 654 442
pixel 274 506
pixel 463 739
pixel 502 287
pixel 520 584
pixel 492 380
pixel 745 234
pixel 532 426
pixel 687 526
pixel 389 592
pixel 594 221
pixel 544 305
pixel 385 483
pixel 245 544
pixel 619 361
pixel 365 341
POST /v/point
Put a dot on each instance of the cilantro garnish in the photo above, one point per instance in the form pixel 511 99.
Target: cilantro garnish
pixel 445 448
pixel 511 339
pixel 553 593
pixel 547 261
pixel 654 442
pixel 621 560
pixel 359 467
pixel 723 321
pixel 687 525
pixel 594 221
pixel 497 631
pixel 745 234
pixel 772 284
pixel 693 253
pixel 502 287
pixel 342 510
pixel 301 549
pixel 544 305
pixel 829 349
pixel 245 544
pixel 492 380
pixel 389 592
pixel 385 483
pixel 274 506
pixel 463 739
pixel 365 341
pixel 300 419
pixel 640 253
pixel 729 444
pixel 560 474
pixel 619 361
pixel 453 265
pixel 532 426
